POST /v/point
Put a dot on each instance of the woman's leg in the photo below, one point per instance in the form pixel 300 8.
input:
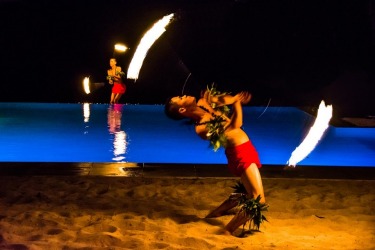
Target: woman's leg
pixel 252 181
pixel 238 220
pixel 117 98
pixel 224 207
pixel 112 101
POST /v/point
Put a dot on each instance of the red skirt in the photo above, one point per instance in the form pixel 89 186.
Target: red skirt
pixel 118 88
pixel 241 157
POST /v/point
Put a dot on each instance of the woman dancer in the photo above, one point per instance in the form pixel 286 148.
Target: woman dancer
pixel 114 76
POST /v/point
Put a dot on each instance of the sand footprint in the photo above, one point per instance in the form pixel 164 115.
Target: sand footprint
pixel 99 228
pixel 54 231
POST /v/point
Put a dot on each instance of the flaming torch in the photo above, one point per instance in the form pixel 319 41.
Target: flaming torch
pixel 313 137
pixel 86 85
pixel 89 87
pixel 146 42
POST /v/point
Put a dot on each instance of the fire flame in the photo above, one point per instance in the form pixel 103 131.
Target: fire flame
pixel 86 85
pixel 146 42
pixel 313 137
pixel 120 47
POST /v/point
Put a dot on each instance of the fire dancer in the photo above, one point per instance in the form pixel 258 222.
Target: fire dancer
pixel 210 116
pixel 114 78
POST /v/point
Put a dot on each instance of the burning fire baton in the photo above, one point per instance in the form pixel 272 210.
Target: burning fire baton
pixel 146 42
pixel 88 86
pixel 313 137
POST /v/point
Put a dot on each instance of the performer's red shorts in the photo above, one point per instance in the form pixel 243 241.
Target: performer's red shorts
pixel 240 158
pixel 118 88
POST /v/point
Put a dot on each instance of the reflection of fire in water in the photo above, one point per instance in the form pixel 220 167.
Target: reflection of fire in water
pixel 86 112
pixel 315 134
pixel 114 125
pixel 86 116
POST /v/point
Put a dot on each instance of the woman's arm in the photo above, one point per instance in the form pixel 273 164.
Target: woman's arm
pixel 222 100
pixel 117 76
pixel 236 120
pixel 217 100
pixel 109 77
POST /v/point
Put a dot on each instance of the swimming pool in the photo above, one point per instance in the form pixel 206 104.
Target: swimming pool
pixel 83 132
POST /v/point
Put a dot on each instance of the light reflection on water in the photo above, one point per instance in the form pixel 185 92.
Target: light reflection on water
pixel 83 132
pixel 86 112
pixel 119 136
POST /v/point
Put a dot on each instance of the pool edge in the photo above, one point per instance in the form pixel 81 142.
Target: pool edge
pixel 178 170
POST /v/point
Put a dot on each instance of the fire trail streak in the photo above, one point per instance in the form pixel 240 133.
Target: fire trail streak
pixel 146 42
pixel 313 137
pixel 86 85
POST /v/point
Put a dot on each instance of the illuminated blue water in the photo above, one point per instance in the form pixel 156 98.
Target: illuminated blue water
pixel 55 132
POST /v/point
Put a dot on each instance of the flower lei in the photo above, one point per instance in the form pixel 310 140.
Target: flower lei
pixel 215 131
pixel 214 92
pixel 251 207
pixel 215 126
pixel 120 73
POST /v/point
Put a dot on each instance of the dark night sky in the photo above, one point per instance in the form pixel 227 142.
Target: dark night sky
pixel 294 53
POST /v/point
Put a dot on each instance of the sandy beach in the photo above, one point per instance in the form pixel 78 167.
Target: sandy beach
pixel 97 212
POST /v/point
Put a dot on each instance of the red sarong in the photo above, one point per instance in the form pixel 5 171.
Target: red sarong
pixel 241 157
pixel 118 88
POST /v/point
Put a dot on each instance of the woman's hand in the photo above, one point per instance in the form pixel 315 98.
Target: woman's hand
pixel 244 97
pixel 217 101
pixel 116 78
